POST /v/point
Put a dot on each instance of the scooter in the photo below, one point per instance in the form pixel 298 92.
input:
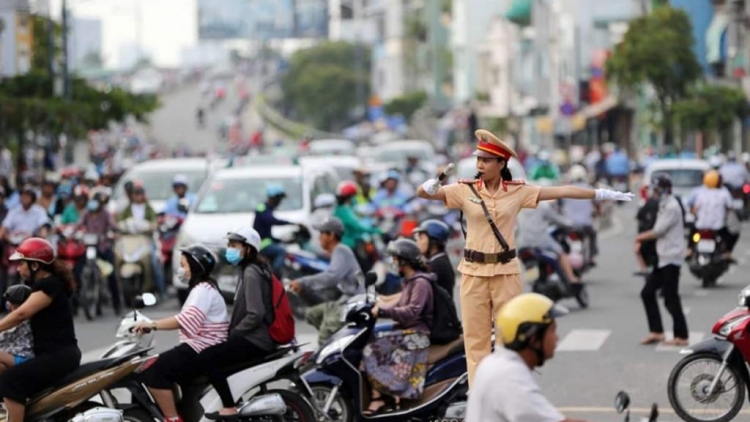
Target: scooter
pixel 714 371
pixel 92 293
pixel 622 404
pixel 339 391
pixel 577 245
pixel 132 255
pixel 168 228
pixel 706 261
pixel 248 381
pixel 551 282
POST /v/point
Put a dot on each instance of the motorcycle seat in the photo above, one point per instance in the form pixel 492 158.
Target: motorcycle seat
pixel 80 372
pixel 438 352
pixel 233 369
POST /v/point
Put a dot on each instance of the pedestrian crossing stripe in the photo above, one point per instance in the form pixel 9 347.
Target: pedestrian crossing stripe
pixel 591 340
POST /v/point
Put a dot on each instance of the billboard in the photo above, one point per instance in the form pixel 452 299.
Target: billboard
pixel 262 19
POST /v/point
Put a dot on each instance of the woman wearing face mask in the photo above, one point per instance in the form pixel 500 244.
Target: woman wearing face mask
pixel 249 338
pixel 202 323
pixel 395 362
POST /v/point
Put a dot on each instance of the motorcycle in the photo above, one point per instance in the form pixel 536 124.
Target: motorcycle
pixel 250 381
pixel 70 248
pixel 551 282
pixel 337 388
pixel 622 404
pixel 714 369
pixel 132 255
pixel 93 294
pixel 168 228
pixel 706 261
pixel 577 245
pixel 739 200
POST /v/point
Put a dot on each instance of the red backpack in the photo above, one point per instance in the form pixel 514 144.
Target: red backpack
pixel 281 328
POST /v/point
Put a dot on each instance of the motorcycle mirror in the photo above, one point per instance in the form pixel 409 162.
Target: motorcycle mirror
pixel 371 278
pixel 622 401
pixel 148 299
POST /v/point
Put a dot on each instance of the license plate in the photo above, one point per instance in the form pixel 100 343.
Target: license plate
pixel 575 247
pixel 706 246
pixel 739 204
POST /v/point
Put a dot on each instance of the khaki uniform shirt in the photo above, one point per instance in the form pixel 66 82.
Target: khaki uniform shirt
pixel 504 207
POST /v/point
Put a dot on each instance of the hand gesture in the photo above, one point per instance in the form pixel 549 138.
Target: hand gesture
pixel 611 195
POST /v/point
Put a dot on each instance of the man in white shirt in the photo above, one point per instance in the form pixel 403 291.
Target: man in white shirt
pixel 27 218
pixel 711 205
pixel 504 389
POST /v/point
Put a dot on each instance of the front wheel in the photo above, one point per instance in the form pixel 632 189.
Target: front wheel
pixel 297 408
pixel 340 409
pixel 689 389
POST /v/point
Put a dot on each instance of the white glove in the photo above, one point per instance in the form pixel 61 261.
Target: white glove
pixel 431 186
pixel 612 195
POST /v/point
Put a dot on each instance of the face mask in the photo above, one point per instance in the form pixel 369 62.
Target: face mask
pixel 181 275
pixel 232 256
pixel 92 205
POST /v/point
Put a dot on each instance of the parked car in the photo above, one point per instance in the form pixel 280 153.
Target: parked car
pixel 156 176
pixel 686 175
pixel 229 199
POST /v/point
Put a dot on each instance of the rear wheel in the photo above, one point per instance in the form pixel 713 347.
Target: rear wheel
pixel 297 408
pixel 89 292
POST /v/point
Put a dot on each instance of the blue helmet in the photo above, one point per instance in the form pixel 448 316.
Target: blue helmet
pixel 275 191
pixel 434 229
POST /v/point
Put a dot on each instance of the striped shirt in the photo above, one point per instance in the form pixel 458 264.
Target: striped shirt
pixel 203 319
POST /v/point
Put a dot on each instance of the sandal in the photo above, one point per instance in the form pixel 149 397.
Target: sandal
pixel 376 410
pixel 676 342
pixel 652 339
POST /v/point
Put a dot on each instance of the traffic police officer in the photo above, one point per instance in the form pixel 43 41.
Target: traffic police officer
pixel 489 269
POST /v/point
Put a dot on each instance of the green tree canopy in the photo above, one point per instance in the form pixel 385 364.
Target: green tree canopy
pixel 710 107
pixel 657 50
pixel 321 83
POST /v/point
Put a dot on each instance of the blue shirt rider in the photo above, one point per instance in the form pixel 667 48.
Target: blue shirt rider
pixel 389 194
pixel 179 204
pixel 270 247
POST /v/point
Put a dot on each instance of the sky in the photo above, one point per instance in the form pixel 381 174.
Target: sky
pixel 167 28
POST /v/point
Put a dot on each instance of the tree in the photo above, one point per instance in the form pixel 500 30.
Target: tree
pixel 321 83
pixel 710 108
pixel 657 50
pixel 406 104
pixel 93 59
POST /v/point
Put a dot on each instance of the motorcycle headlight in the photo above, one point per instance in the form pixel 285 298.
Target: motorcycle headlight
pixel 334 346
pixel 729 325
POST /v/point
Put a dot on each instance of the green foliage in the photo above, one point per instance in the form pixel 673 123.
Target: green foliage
pixel 406 104
pixel 657 50
pixel 43 51
pixel 321 83
pixel 710 107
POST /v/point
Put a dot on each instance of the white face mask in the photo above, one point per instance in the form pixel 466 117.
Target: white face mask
pixel 181 275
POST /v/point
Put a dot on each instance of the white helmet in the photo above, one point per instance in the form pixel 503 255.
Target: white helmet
pixel 578 173
pixel 246 234
pixel 715 161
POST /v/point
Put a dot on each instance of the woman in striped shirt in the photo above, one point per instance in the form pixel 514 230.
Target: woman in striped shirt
pixel 203 322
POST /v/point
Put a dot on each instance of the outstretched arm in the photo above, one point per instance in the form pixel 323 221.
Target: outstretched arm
pixel 575 192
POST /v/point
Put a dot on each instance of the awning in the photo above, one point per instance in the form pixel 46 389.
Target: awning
pixel 602 106
pixel 715 38
pixel 519 12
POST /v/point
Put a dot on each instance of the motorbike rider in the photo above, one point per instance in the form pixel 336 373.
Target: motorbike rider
pixel 581 213
pixel 711 207
pixel 733 172
pixel 181 202
pixel 142 212
pixel 431 237
pixel 265 220
pixel 248 325
pixel 354 230
pixel 528 329
pixel 389 194
pixel 202 322
pixel 545 168
pixel 48 198
pixel 28 218
pixel 414 171
pixel 12 196
pixel 101 223
pixel 324 292
pixel 56 352
pixel 365 191
pixel 409 340
pixel 535 226
pixel 618 166
pixel 77 207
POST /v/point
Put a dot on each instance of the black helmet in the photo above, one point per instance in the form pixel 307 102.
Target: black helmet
pixel 202 256
pixel 662 183
pixel 30 191
pixel 17 294
pixel 405 249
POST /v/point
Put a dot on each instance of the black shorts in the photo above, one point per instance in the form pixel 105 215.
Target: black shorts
pixel 175 366
pixel 20 383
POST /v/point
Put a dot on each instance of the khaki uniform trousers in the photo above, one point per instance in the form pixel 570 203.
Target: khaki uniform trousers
pixel 481 298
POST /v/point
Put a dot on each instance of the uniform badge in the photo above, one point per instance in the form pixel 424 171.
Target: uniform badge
pixel 475 200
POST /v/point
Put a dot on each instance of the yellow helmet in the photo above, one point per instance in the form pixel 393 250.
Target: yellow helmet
pixel 524 316
pixel 711 179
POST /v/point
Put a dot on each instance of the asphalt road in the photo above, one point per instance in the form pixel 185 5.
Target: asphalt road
pixel 599 352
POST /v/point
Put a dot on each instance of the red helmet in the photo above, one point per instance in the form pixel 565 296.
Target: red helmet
pixel 346 189
pixel 34 249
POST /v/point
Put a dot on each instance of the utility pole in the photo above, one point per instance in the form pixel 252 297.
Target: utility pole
pixel 65 70
pixel 438 72
pixel 358 59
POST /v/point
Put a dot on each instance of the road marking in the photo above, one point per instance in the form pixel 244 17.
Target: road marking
pixel 695 337
pixel 583 340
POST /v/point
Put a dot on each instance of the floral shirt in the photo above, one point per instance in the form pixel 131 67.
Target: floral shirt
pixel 18 341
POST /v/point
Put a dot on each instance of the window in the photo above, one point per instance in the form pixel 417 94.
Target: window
pixel 319 186
pixel 244 195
